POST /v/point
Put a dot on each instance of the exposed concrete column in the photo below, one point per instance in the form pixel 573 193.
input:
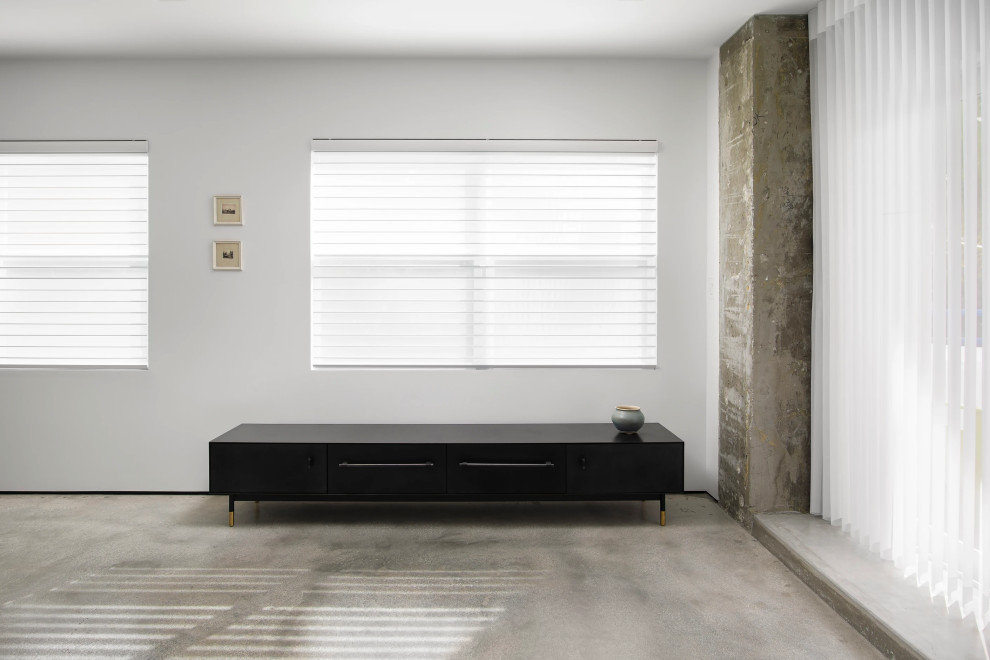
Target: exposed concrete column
pixel 765 195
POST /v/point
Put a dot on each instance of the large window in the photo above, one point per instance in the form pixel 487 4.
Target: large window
pixel 484 253
pixel 74 254
pixel 901 452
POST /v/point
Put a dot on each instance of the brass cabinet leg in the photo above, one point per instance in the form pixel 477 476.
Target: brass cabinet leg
pixel 230 515
pixel 663 510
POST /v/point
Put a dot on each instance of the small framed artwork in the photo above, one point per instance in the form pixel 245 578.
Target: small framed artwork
pixel 226 255
pixel 227 210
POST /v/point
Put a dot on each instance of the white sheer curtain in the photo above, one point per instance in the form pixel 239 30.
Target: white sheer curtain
pixel 900 459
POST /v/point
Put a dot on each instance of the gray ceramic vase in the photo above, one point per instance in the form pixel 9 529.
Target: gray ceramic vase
pixel 628 419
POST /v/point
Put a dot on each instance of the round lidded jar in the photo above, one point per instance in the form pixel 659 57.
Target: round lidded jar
pixel 628 419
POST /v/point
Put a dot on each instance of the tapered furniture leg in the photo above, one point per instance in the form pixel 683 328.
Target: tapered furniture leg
pixel 230 508
pixel 663 510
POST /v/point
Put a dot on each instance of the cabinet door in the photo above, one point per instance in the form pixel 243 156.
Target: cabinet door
pixel 619 468
pixel 504 469
pixel 268 468
pixel 385 469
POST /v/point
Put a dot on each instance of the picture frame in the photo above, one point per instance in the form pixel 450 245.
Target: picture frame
pixel 227 255
pixel 227 210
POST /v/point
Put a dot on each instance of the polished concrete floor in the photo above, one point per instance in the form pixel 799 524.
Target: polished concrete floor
pixel 164 577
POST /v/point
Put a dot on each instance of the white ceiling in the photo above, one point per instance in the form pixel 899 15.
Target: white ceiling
pixel 408 28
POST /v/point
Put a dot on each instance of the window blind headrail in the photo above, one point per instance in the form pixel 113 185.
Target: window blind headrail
pixel 491 145
pixel 110 147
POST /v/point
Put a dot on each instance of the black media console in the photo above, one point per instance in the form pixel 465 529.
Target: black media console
pixel 445 462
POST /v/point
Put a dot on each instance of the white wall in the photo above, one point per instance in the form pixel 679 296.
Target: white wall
pixel 712 292
pixel 229 347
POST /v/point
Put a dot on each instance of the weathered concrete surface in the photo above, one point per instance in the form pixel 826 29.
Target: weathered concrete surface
pixel 765 190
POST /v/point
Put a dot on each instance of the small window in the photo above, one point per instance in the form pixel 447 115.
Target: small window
pixel 74 254
pixel 484 253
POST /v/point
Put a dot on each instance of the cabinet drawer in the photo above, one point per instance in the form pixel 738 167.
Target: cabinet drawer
pixel 619 468
pixel 385 469
pixel 268 468
pixel 503 469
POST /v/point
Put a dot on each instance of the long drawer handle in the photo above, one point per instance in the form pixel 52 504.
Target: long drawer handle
pixel 345 464
pixel 548 464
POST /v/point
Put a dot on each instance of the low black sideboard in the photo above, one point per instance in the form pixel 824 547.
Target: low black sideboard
pixel 445 462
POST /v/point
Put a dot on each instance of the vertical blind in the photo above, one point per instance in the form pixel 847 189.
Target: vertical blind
pixel 901 459
pixel 74 254
pixel 484 253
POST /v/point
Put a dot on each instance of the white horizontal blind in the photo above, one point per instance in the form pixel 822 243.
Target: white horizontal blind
pixel 74 254
pixel 451 253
